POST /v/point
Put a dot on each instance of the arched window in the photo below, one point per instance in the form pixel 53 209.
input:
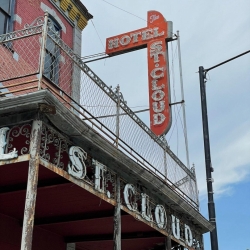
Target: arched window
pixel 52 52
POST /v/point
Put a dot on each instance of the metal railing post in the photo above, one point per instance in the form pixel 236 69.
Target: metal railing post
pixel 42 51
pixel 117 114
pixel 165 159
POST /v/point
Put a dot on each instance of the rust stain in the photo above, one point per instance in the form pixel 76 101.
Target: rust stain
pixel 20 158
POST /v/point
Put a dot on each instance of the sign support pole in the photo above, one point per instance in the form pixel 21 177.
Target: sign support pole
pixel 182 96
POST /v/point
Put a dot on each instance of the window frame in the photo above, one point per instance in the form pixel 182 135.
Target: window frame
pixel 9 17
pixel 52 56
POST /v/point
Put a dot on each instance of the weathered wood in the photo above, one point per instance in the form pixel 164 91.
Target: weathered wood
pixel 117 217
pixel 71 246
pixel 30 202
pixel 168 244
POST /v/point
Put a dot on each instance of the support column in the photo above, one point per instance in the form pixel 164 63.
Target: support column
pixel 31 192
pixel 71 246
pixel 117 217
pixel 168 244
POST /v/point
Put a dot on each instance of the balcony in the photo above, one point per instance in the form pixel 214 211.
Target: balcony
pixel 36 59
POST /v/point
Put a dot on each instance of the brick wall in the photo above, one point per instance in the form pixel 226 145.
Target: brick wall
pixel 26 51
pixel 29 10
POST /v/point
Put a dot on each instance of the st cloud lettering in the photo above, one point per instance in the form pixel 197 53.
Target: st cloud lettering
pixel 77 169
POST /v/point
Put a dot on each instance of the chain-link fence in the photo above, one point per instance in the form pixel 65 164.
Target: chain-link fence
pixel 37 58
pixel 20 60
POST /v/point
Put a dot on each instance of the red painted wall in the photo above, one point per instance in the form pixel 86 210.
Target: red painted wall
pixel 11 233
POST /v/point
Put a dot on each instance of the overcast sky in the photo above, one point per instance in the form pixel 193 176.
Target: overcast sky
pixel 210 32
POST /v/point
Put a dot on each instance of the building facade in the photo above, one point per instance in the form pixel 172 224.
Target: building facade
pixel 78 169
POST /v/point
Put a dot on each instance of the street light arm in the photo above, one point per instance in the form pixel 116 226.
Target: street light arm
pixel 217 65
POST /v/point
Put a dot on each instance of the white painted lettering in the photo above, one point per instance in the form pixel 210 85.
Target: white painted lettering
pixel 147 34
pixel 158 118
pixel 188 236
pixel 158 106
pixel 99 176
pixel 77 167
pixel 156 34
pixel 160 217
pixel 113 43
pixel 134 36
pixel 129 192
pixel 3 143
pixel 154 75
pixel 125 40
pixel 176 227
pixel 145 207
pixel 158 95
pixel 153 18
pixel 154 85
pixel 156 50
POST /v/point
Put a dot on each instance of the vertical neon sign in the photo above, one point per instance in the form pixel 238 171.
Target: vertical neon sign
pixel 154 37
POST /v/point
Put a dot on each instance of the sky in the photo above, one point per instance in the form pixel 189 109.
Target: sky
pixel 210 32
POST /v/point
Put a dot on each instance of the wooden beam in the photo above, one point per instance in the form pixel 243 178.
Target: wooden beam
pixel 21 187
pixel 109 237
pixel 76 217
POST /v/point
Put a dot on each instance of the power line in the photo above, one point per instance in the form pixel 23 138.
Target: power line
pixel 124 10
pixel 98 34
pixel 128 12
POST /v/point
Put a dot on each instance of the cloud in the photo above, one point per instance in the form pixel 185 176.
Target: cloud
pixel 231 161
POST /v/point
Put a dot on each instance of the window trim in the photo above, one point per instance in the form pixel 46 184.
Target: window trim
pixel 53 75
pixel 9 25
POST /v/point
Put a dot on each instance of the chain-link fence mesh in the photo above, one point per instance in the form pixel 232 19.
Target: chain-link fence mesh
pixel 19 61
pixel 101 105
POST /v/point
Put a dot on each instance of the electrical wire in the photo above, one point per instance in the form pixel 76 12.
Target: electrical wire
pixel 124 10
pixel 128 12
pixel 97 34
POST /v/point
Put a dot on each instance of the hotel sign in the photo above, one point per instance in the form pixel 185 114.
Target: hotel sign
pixel 154 37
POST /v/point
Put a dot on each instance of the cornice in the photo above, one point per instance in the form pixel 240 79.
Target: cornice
pixel 75 10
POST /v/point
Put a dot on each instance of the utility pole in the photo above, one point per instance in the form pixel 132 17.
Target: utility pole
pixel 209 169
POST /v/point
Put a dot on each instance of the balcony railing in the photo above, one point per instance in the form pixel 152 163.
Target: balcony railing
pixel 36 58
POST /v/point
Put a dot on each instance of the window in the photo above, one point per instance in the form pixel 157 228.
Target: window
pixel 52 53
pixel 6 11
